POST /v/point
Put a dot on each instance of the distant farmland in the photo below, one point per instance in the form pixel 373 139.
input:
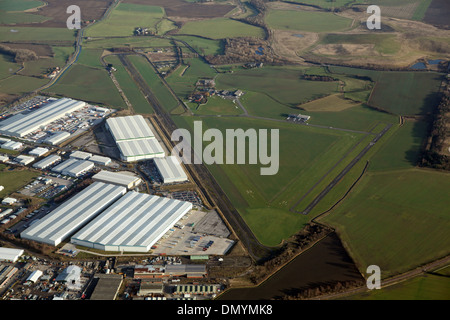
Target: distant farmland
pixel 406 93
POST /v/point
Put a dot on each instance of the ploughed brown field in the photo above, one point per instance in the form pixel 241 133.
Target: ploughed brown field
pixel 56 9
pixel 180 8
pixel 437 13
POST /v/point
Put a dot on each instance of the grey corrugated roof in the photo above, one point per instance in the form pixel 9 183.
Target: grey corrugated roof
pixel 135 220
pixel 130 127
pixel 170 169
pixel 74 213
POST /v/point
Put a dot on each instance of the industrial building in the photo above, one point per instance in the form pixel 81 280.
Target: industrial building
pixel 80 155
pixel 12 145
pixel 170 169
pixel 22 124
pixel 24 160
pixel 132 224
pixel 129 128
pixel 127 180
pixel 136 150
pixel 34 276
pixel 73 214
pixel 134 138
pixel 73 167
pixel 107 287
pixel 38 152
pixel 104 161
pixel 57 138
pixel 47 162
pixel 9 254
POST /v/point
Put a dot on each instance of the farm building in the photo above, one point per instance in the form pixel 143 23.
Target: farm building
pixel 132 224
pixel 47 162
pixel 4 158
pixel 9 254
pixel 134 138
pixel 57 138
pixel 73 214
pixel 22 124
pixel 170 169
pixel 126 180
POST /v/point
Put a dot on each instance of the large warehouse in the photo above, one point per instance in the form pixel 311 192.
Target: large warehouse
pixel 170 169
pixel 134 138
pixel 132 224
pixel 22 124
pixel 73 214
pixel 129 128
pixel 127 180
pixel 73 167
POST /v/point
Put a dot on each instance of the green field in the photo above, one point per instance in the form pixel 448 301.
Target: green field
pixel 88 84
pixel 19 85
pixel 20 17
pixel 129 87
pixel 403 148
pixel 125 18
pixel 216 106
pixel 14 179
pixel 19 5
pixel 161 92
pixel 7 66
pixel 131 41
pixel 424 287
pixel 288 89
pixel 306 154
pixel 393 221
pixel 306 21
pixel 90 58
pixel 220 28
pixel 406 93
pixel 36 34
pixel 184 78
pixel 383 43
pixel 202 45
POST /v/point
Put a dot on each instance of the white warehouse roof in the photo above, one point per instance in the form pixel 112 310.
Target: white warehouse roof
pixel 81 155
pixel 57 137
pixel 39 151
pixel 34 276
pixel 78 168
pixel 47 161
pixel 9 254
pixel 26 123
pixel 135 150
pixel 130 127
pixel 133 223
pixel 24 160
pixel 73 214
pixel 100 160
pixel 134 138
pixel 126 180
pixel 170 169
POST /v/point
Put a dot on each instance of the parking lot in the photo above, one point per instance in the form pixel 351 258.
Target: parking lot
pixel 187 239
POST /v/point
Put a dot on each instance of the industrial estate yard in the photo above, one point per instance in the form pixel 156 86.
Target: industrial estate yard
pixel 94 204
